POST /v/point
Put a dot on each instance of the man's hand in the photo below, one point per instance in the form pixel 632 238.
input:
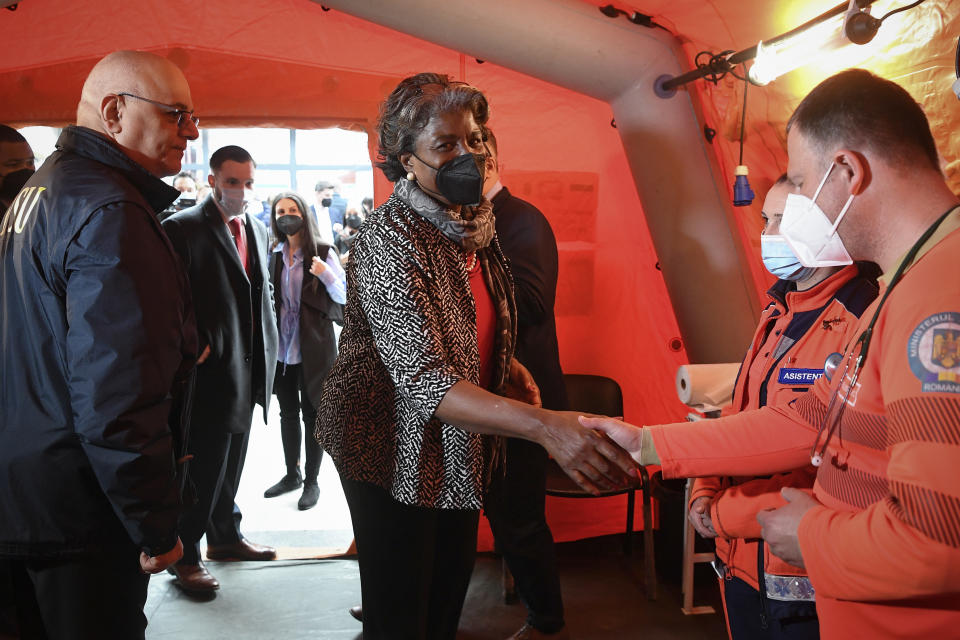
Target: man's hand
pixel 699 516
pixel 317 266
pixel 521 385
pixel 591 459
pixel 624 434
pixel 156 564
pixel 779 526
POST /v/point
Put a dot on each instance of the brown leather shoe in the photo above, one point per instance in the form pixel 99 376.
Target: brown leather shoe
pixel 357 613
pixel 526 632
pixel 241 550
pixel 194 578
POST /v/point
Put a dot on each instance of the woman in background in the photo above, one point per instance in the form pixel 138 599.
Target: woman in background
pixel 308 292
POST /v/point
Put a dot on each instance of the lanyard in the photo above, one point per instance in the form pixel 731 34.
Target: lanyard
pixel 862 343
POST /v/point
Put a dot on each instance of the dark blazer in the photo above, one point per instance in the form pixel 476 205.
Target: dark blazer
pixel 235 317
pixel 529 244
pixel 318 312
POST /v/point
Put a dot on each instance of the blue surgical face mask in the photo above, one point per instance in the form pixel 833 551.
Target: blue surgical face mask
pixel 780 260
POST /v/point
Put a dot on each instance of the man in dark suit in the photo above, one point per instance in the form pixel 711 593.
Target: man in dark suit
pixel 223 250
pixel 515 506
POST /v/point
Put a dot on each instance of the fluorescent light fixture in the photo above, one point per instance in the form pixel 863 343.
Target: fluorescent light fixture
pixel 826 45
pixel 809 47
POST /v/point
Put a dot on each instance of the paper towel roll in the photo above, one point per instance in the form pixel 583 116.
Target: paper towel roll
pixel 707 387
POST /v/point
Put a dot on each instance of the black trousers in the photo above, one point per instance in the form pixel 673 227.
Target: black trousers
pixel 80 598
pixel 291 393
pixel 415 564
pixel 515 508
pixel 785 620
pixel 215 471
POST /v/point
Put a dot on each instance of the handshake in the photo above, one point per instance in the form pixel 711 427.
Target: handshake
pixel 598 453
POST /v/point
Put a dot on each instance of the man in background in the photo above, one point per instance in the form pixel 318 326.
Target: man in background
pixel 224 249
pixel 186 184
pixel 764 597
pixel 328 211
pixel 515 506
pixel 16 164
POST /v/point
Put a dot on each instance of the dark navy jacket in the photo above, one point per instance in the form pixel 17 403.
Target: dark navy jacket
pixel 96 337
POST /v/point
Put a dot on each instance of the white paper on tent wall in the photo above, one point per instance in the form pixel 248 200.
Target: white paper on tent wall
pixel 707 387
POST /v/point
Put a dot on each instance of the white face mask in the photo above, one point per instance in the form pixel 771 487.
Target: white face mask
pixel 234 200
pixel 780 260
pixel 809 232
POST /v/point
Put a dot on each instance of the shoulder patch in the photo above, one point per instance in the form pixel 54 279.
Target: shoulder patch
pixel 934 352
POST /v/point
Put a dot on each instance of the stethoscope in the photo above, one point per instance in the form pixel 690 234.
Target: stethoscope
pixel 861 346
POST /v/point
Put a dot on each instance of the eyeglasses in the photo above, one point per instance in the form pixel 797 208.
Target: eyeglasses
pixel 182 114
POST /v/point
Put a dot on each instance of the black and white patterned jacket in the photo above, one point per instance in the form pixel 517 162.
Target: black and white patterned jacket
pixel 409 335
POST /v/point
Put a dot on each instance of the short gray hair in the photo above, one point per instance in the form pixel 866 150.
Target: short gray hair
pixel 408 109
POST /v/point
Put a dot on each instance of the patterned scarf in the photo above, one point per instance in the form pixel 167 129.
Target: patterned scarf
pixel 476 234
pixel 471 234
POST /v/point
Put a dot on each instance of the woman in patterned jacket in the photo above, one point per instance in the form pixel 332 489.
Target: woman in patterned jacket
pixel 425 382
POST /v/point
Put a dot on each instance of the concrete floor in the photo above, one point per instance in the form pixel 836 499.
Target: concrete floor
pixel 306 594
pixel 603 594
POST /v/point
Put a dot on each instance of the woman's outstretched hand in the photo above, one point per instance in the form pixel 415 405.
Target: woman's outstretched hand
pixel 591 459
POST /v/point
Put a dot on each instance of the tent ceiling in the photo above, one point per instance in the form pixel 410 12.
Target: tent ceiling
pixel 52 32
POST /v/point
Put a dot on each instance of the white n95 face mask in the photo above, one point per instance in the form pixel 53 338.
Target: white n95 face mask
pixel 809 232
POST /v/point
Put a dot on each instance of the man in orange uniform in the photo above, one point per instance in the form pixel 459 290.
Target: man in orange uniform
pixel 809 310
pixel 881 539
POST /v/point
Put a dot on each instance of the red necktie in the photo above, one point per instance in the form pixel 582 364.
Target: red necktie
pixel 240 237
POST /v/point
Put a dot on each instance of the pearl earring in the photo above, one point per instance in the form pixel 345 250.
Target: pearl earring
pixel 411 176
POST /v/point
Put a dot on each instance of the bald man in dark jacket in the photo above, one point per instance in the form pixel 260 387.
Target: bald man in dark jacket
pixel 97 340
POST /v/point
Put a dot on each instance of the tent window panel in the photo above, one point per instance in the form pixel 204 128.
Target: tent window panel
pixel 267 146
pixel 354 184
pixel 332 147
pixel 271 181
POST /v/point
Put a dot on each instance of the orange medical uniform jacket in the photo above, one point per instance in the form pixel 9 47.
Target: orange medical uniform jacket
pixel 883 550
